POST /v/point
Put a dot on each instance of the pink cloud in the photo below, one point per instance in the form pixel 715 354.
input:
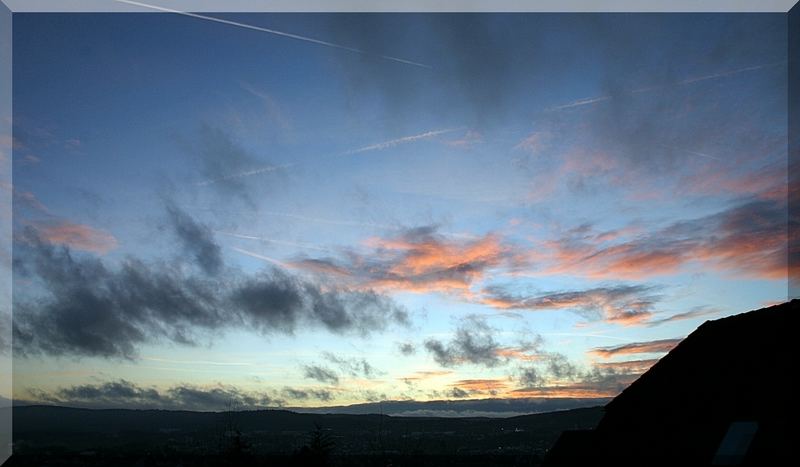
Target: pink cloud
pixel 78 236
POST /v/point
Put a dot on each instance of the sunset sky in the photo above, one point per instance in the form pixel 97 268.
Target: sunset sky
pixel 328 209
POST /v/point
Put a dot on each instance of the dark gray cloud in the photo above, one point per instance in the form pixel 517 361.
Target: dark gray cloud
pixel 554 373
pixel 277 301
pixel 89 309
pixel 5 333
pixel 196 239
pixel 487 66
pixel 355 367
pixel 125 394
pixel 474 70
pixel 321 374
pixel 306 394
pixel 457 393
pixel 559 366
pixel 530 377
pixel 406 348
pixel 549 365
pixel 473 343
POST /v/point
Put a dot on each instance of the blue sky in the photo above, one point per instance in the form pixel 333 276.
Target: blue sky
pixel 499 213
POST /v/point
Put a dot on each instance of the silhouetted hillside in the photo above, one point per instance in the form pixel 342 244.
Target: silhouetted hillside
pixel 722 395
pixel 69 436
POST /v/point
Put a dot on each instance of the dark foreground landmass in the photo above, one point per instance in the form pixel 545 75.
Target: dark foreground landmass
pixel 60 436
pixel 723 396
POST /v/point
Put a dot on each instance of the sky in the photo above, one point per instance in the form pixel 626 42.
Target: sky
pixel 309 210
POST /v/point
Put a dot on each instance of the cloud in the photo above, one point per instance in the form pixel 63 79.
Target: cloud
pixel 425 374
pixel 481 386
pixel 90 309
pixel 197 239
pixel 354 367
pixel 628 366
pixel 321 374
pixel 474 343
pixel 457 393
pixel 531 377
pixel 277 301
pixel 406 348
pixel 225 165
pixel 419 260
pixel 556 376
pixel 305 394
pixel 610 387
pixel 518 353
pixel 469 139
pixel 27 200
pixel 125 394
pixel 477 72
pixel 621 304
pixel 77 236
pixel 746 240
pixel 695 312
pixel 657 346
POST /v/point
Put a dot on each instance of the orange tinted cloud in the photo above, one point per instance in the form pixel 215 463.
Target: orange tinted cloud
pixel 78 237
pixel 629 366
pixel 624 304
pixel 420 260
pixel 580 390
pixel 517 353
pixel 658 346
pixel 747 240
pixel 423 375
pixel 481 385
pixel 696 312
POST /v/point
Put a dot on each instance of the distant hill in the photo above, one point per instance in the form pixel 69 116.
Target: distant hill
pixel 460 408
pixel 126 437
pixel 723 395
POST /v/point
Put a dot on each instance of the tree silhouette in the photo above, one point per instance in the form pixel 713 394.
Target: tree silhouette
pixel 317 451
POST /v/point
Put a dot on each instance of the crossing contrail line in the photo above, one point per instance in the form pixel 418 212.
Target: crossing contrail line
pixel 273 31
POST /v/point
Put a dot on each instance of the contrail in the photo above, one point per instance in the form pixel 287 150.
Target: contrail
pixel 599 336
pixel 331 221
pixel 273 31
pixel 580 102
pixel 261 257
pixel 247 173
pixel 196 362
pixel 372 147
pixel 729 73
pixel 272 240
pixel 723 74
pixel 395 142
pixel 695 153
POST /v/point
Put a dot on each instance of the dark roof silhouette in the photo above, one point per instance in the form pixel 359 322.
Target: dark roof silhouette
pixel 721 397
